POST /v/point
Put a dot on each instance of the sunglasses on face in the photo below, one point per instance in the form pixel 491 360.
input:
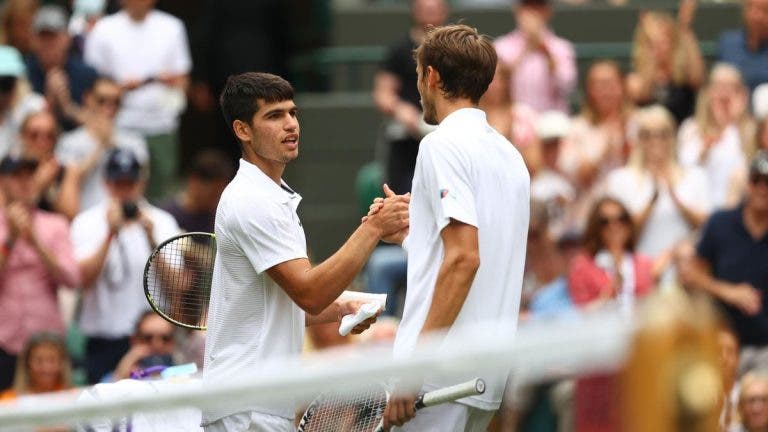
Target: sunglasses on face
pixel 36 134
pixel 659 134
pixel 7 83
pixel 107 101
pixel 148 337
pixel 604 221
pixel 756 179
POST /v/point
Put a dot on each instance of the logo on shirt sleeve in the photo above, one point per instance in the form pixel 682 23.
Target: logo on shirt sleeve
pixel 443 193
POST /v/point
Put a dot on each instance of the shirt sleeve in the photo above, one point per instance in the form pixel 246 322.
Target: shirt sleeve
pixel 182 61
pixel 95 50
pixel 266 235
pixel 447 181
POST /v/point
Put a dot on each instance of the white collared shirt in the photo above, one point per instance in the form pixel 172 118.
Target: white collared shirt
pixel 251 319
pixel 467 171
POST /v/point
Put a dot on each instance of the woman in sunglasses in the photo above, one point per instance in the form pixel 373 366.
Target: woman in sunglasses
pixel 667 202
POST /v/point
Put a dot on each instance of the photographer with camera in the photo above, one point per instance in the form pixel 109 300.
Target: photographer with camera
pixel 112 241
pixel 153 343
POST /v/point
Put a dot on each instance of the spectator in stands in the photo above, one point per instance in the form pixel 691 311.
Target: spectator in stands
pixel 720 135
pixel 16 98
pixel 85 149
pixel 55 186
pixel 152 66
pixel 761 136
pixel 153 343
pixel 36 257
pixel 85 15
pixel 16 23
pixel 668 68
pixel 112 242
pixel 52 68
pixel 596 142
pixel 731 259
pixel 194 208
pixel 44 366
pixel 515 121
pixel 747 49
pixel 396 96
pixel 728 343
pixel 667 202
pixel 609 272
pixel 543 65
pixel 753 401
pixel 548 184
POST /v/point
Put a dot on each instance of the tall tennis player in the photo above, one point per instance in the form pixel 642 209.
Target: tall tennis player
pixel 264 289
pixel 469 215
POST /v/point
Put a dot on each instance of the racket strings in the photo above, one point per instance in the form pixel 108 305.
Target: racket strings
pixel 361 412
pixel 179 278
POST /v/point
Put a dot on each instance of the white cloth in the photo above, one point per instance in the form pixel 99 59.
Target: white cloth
pixel 175 420
pixel 129 50
pixel 116 300
pixel 251 319
pixel 666 224
pixel 448 417
pixel 467 171
pixel 724 161
pixel 626 298
pixel 251 422
pixel 76 146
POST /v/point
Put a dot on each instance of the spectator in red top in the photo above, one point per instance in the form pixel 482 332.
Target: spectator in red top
pixel 35 259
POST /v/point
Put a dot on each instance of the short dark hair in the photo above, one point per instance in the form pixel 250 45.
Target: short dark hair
pixel 240 98
pixel 465 60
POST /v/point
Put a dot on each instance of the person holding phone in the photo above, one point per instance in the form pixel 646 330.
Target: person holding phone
pixel 112 242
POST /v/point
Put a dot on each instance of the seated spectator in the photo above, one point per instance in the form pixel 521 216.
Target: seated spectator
pixel 728 343
pixel 85 14
pixel 542 65
pixel 44 366
pixel 385 273
pixel 608 273
pixel 53 69
pixel 548 184
pixel 668 68
pixel 719 136
pixel 112 242
pixel 761 135
pixel 36 257
pixel 16 20
pixel 55 186
pixel 747 49
pixel 153 343
pixel 753 402
pixel 194 208
pixel 17 101
pixel 760 101
pixel 731 257
pixel 85 149
pixel 596 141
pixel 152 66
pixel 667 202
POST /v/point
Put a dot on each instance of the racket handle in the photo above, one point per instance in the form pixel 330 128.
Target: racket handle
pixel 452 393
pixel 348 322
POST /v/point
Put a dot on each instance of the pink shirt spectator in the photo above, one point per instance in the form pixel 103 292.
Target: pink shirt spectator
pixel 28 300
pixel 532 83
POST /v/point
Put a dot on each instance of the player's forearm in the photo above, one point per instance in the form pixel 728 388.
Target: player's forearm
pixel 330 314
pixel 451 290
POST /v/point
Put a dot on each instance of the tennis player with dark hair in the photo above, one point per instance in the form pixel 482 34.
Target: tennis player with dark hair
pixel 470 205
pixel 264 289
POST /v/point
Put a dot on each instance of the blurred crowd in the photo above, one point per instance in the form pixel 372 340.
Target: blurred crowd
pixel 658 182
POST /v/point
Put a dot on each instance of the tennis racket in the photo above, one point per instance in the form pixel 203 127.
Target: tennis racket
pixel 177 279
pixel 364 411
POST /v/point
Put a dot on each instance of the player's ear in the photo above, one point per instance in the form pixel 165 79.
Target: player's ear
pixel 432 76
pixel 242 130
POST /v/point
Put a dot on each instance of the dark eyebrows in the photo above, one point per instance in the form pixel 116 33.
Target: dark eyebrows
pixel 271 112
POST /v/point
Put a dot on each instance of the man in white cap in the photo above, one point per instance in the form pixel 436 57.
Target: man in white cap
pixel 16 101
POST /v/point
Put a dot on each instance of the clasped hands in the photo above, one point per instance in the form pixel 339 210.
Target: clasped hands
pixel 390 215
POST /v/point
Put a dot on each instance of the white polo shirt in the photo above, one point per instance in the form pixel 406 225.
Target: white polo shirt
pixel 250 318
pixel 467 171
pixel 127 50
pixel 116 300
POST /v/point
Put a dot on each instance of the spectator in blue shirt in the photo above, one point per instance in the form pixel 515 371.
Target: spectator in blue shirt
pixel 732 257
pixel 747 49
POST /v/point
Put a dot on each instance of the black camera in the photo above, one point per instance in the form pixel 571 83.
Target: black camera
pixel 130 210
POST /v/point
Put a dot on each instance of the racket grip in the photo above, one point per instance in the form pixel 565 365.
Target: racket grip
pixel 452 393
pixel 348 322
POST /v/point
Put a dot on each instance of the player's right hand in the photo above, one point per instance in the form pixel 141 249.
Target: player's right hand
pixel 400 409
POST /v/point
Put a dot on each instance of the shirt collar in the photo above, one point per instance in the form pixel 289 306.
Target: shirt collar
pixel 281 193
pixel 462 116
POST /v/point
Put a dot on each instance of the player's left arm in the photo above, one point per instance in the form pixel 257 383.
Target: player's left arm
pixel 337 310
pixel 454 279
